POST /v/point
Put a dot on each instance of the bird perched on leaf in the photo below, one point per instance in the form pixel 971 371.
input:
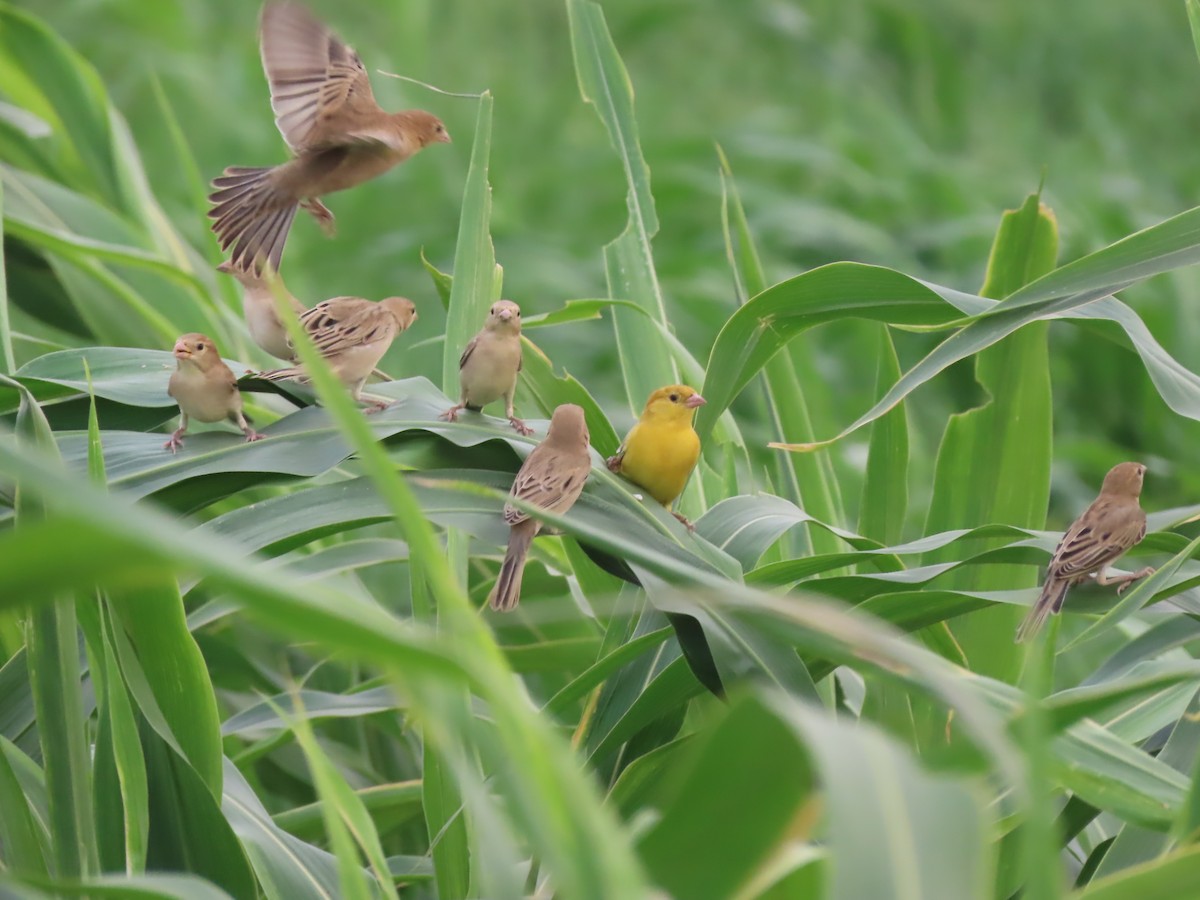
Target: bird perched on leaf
pixel 352 335
pixel 661 450
pixel 1110 526
pixel 260 311
pixel 488 367
pixel 552 477
pixel 339 136
pixel 204 388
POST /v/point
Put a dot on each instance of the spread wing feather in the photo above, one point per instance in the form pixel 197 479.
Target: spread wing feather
pixel 314 77
pixel 343 323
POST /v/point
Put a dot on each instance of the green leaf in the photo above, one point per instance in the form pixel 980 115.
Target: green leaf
pixel 6 341
pixel 20 835
pixel 811 479
pixel 153 619
pixel 646 360
pixel 1007 465
pixel 1169 877
pixel 345 815
pixel 747 774
pixel 885 489
pixel 895 831
pixel 129 887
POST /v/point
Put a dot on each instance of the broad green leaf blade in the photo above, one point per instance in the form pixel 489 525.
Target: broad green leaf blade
pixel 764 324
pixel 474 258
pixel 1063 293
pixel 7 357
pixel 21 835
pixel 345 817
pixel 747 773
pixel 885 489
pixel 646 360
pixel 137 887
pixel 896 831
pixel 1167 878
pixel 1002 449
pixel 54 672
pixel 153 618
pixel 812 481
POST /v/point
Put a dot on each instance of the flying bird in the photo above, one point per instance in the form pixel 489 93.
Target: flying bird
pixel 338 135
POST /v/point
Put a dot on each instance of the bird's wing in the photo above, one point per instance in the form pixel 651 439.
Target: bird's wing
pixel 314 77
pixel 225 377
pixel 343 323
pixel 1097 538
pixel 466 354
pixel 614 461
pixel 549 479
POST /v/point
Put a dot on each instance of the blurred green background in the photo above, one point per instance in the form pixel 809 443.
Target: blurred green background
pixel 886 132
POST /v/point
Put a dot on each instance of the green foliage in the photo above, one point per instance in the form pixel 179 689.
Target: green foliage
pixel 268 669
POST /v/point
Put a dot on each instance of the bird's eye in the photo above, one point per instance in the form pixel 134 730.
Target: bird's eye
pixel 674 398
pixel 518 314
pixel 200 346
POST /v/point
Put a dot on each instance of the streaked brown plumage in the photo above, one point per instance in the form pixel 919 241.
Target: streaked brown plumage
pixel 352 334
pixel 327 113
pixel 488 367
pixel 552 477
pixel 1111 525
pixel 204 388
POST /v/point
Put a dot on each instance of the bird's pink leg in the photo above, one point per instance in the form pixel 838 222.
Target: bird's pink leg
pixel 322 213
pixel 1123 580
pixel 518 426
pixel 176 440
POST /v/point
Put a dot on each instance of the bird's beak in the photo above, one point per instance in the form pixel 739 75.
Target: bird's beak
pixel 505 315
pixel 693 401
pixel 445 138
pixel 181 350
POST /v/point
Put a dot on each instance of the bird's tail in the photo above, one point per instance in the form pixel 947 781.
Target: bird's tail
pixel 1054 592
pixel 253 215
pixel 284 374
pixel 507 591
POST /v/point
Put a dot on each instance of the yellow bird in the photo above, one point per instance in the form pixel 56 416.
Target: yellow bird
pixel 661 450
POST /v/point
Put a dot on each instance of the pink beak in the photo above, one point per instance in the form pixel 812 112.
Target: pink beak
pixel 693 401
pixel 505 315
pixel 181 350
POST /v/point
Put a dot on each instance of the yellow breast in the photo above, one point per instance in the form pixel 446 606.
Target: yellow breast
pixel 659 457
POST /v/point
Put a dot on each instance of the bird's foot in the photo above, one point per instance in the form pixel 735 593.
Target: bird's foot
pixel 174 442
pixel 451 415
pixel 684 519
pixel 1141 573
pixel 252 436
pixel 519 427
pixel 322 213
pixel 378 406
